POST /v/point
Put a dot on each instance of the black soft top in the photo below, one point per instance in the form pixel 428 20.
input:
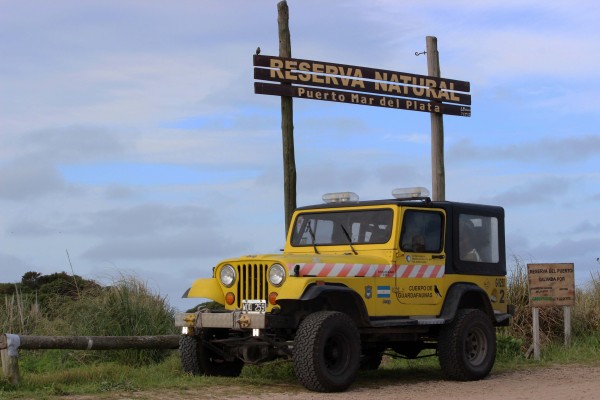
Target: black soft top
pixel 421 202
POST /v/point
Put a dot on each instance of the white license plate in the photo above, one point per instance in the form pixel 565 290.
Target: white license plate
pixel 255 306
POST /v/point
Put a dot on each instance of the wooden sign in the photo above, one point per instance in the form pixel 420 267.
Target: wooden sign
pixel 551 284
pixel 360 98
pixel 346 83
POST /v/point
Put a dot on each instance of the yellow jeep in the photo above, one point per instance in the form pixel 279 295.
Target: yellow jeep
pixel 357 278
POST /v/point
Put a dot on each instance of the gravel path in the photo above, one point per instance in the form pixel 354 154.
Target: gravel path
pixel 554 383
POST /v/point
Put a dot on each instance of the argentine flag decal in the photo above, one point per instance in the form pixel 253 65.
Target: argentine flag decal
pixel 383 291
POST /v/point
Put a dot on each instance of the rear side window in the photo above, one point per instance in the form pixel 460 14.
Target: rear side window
pixel 422 231
pixel 478 238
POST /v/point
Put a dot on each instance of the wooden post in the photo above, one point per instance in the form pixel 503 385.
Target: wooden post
pixel 14 375
pixel 287 120
pixel 438 175
pixel 536 333
pixel 10 367
pixel 9 352
pixel 4 357
pixel 567 326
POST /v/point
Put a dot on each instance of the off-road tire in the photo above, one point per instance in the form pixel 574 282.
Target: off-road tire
pixel 326 352
pixel 197 359
pixel 467 346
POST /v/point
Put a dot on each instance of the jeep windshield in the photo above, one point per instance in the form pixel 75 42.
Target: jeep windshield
pixel 333 228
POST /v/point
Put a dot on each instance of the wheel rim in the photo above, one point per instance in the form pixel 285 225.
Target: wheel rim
pixel 335 354
pixel 476 346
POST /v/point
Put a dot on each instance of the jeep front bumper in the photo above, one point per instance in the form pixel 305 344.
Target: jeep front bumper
pixel 226 320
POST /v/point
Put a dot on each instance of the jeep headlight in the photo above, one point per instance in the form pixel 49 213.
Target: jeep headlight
pixel 227 275
pixel 276 274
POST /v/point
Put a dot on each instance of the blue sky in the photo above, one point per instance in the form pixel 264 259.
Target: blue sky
pixel 131 137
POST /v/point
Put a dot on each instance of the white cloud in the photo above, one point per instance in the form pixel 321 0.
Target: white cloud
pixel 29 179
pixel 549 149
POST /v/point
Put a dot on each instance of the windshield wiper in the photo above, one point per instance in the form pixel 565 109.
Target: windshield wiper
pixel 349 238
pixel 312 235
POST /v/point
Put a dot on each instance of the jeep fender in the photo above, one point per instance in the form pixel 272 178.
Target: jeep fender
pixel 332 297
pixel 465 295
pixel 207 288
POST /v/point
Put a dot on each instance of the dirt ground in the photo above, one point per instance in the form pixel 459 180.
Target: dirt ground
pixel 554 383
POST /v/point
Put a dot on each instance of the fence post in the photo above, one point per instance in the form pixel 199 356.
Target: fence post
pixel 567 326
pixel 536 333
pixel 10 357
pixel 4 357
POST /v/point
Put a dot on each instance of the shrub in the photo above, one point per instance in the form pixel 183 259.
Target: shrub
pixel 73 306
pixel 586 315
pixel 126 308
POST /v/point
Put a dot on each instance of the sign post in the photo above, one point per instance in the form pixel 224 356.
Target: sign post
pixel 287 120
pixel 551 285
pixel 438 173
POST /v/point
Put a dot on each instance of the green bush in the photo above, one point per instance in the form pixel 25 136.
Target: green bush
pixel 508 347
pixel 586 315
pixel 73 306
pixel 126 308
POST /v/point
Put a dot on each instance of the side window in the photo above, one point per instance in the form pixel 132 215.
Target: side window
pixel 422 231
pixel 478 238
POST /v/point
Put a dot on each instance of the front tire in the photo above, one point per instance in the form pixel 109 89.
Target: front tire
pixel 326 352
pixel 467 346
pixel 197 359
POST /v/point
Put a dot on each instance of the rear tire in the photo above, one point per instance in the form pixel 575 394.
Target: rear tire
pixel 197 359
pixel 467 346
pixel 326 352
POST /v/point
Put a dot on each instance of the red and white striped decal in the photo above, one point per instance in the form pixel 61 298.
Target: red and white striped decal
pixel 370 270
pixel 420 271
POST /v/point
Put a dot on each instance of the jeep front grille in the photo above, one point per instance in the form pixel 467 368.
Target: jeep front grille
pixel 253 283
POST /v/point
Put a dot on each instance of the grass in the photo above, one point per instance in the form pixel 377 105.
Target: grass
pixel 20 313
pixel 110 378
pixel 128 303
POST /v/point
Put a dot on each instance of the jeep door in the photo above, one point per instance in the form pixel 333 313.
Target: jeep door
pixel 420 264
